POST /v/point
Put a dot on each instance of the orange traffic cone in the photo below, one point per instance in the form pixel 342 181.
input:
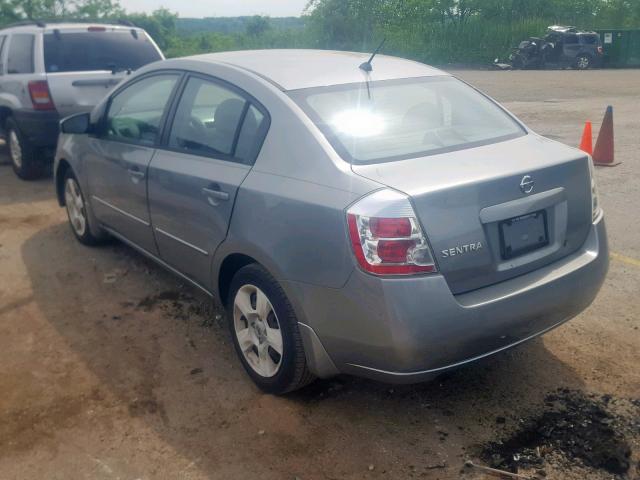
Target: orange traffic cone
pixel 586 144
pixel 603 154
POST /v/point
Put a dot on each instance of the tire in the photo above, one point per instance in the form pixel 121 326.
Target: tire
pixel 261 319
pixel 21 153
pixel 75 205
pixel 583 62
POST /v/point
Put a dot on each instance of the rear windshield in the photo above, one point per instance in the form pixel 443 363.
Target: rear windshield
pixel 398 119
pixel 102 50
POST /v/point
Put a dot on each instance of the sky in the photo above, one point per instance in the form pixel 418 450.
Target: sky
pixel 220 8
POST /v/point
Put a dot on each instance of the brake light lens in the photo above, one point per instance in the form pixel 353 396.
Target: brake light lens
pixel 40 95
pixel 600 50
pixel 386 236
pixel 96 29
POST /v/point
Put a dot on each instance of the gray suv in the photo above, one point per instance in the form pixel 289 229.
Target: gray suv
pixel 49 71
pixel 381 219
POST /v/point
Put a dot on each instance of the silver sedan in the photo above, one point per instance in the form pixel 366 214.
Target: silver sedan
pixel 371 217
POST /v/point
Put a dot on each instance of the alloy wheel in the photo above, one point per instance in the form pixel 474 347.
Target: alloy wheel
pixel 75 206
pixel 583 63
pixel 258 331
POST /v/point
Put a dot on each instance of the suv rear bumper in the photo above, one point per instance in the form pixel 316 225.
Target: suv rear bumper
pixel 405 330
pixel 40 128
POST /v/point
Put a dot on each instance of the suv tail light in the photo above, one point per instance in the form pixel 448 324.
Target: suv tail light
pixel 40 95
pixel 386 236
pixel 600 50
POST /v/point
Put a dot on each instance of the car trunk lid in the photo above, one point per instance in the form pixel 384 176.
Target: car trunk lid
pixel 497 211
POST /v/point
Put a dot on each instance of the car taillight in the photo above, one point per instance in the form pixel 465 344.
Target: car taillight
pixel 600 50
pixel 595 201
pixel 386 236
pixel 40 96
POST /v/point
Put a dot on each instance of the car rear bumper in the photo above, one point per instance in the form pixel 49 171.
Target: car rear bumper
pixel 405 330
pixel 40 128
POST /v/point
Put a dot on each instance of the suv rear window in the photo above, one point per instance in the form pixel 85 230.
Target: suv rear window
pixel 397 119
pixel 100 50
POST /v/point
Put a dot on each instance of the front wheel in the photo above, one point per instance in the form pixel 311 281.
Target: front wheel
pixel 265 332
pixel 76 207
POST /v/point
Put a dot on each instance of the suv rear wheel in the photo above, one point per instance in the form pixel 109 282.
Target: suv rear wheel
pixel 583 62
pixel 21 153
pixel 265 332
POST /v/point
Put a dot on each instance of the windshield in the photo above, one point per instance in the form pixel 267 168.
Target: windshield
pixel 398 119
pixel 98 50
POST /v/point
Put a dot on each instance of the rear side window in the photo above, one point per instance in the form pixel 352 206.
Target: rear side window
pixel 571 39
pixel 98 50
pixel 252 133
pixel 589 39
pixel 207 119
pixel 135 113
pixel 20 58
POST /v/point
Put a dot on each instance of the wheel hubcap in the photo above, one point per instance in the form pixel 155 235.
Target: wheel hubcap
pixel 75 206
pixel 15 149
pixel 257 330
pixel 583 63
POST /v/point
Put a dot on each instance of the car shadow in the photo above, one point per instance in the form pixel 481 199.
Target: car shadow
pixel 157 350
pixel 14 190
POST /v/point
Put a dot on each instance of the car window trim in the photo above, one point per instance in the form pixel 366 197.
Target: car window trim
pixel 101 134
pixel 250 101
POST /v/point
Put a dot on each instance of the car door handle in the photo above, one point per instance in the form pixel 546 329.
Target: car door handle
pixel 215 196
pixel 136 174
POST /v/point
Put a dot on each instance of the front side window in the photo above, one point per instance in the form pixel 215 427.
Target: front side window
pixel 20 58
pixel 98 50
pixel 135 113
pixel 408 118
pixel 207 119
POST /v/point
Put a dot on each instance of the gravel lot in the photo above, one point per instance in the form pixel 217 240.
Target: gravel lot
pixel 111 369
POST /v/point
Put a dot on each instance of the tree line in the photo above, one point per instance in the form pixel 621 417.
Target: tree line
pixel 434 31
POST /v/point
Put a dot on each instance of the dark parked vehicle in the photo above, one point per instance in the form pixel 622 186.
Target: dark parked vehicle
pixel 561 47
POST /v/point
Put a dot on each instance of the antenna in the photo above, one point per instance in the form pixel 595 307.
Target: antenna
pixel 366 66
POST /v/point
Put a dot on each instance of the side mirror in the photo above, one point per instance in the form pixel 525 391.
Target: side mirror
pixel 77 124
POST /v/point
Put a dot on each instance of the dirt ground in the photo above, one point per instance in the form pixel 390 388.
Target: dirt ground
pixel 112 369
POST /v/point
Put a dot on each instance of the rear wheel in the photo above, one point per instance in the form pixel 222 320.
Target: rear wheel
pixel 583 62
pixel 265 332
pixel 22 153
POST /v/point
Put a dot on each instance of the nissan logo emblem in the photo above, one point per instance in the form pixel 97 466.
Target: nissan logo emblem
pixel 527 184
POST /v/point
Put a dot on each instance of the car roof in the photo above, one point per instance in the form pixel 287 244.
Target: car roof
pixel 298 69
pixel 50 27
